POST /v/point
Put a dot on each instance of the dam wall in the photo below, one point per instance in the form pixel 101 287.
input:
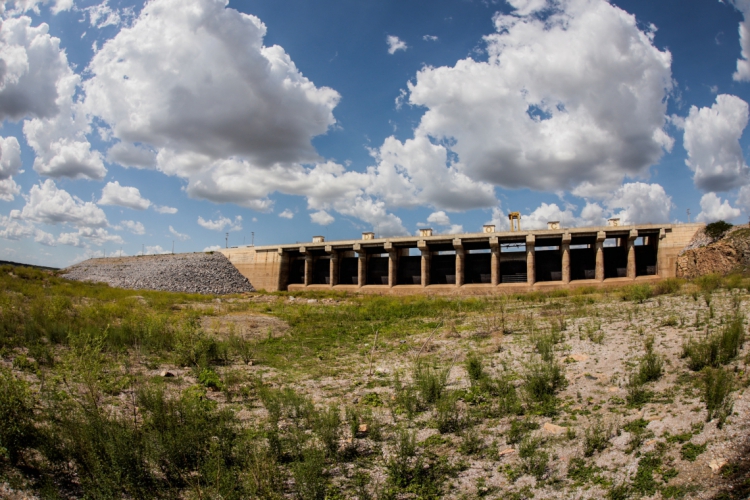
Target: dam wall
pixel 470 263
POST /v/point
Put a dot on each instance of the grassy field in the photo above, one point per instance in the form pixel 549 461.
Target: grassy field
pixel 633 393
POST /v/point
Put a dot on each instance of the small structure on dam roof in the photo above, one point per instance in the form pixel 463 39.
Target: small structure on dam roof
pixel 471 263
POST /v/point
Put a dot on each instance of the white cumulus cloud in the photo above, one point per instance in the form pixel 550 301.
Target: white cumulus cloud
pixel 395 44
pixel 10 165
pixel 712 209
pixel 123 196
pixel 712 140
pixel 570 96
pixel 47 204
pixel 221 223
pixel 321 217
pixel 743 65
pixel 162 209
pixel 133 226
pixel 287 214
pixel 179 236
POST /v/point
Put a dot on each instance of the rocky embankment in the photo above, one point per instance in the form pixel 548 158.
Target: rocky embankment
pixel 706 256
pixel 209 273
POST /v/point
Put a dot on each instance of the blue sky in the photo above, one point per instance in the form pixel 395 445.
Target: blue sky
pixel 130 127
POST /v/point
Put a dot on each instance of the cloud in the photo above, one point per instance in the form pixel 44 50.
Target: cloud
pixel 179 236
pixel 743 65
pixel 394 44
pixel 156 249
pixel 640 203
pixel 39 84
pixel 574 95
pixel 192 80
pixel 130 155
pixel 13 229
pixel 98 236
pixel 16 7
pixel 712 141
pixel 70 239
pixel 212 248
pixel 134 227
pixel 439 218
pixel 123 196
pixel 221 223
pixel 164 209
pixel 287 214
pixel 430 38
pixel 47 204
pixel 321 217
pixel 44 238
pixel 10 165
pixel 712 209
pixel 102 15
pixel 546 213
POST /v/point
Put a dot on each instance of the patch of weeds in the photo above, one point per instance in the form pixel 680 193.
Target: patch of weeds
pixel 542 381
pixel 534 460
pixel 435 440
pixel 717 385
pixel 474 368
pixel 667 286
pixel 372 399
pixel 683 437
pixel 691 451
pixel 596 438
pixel 447 414
pixel 21 362
pixel 519 429
pixel 618 492
pixel 638 394
pixel 310 480
pixel 716 349
pixel 512 472
pixel 580 472
pixel 471 443
pixel 17 431
pixel 210 379
pixel 637 293
pixel 430 381
pixel 638 433
pixel 644 482
pixel 676 491
pixel 327 426
pixel 406 400
pixel 651 366
pixel 670 321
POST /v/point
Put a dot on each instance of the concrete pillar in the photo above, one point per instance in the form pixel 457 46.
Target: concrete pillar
pixel 392 264
pixel 308 269
pixel 566 258
pixel 333 278
pixel 422 246
pixel 361 265
pixel 599 273
pixel 631 253
pixel 530 259
pixel 495 261
pixel 284 263
pixel 460 259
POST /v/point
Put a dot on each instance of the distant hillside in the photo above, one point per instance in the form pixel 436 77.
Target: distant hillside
pixel 45 268
pixel 705 255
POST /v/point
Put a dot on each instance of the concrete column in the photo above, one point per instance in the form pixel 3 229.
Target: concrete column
pixel 392 264
pixel 530 259
pixel 566 258
pixel 284 263
pixel 460 259
pixel 422 245
pixel 600 237
pixel 308 269
pixel 495 261
pixel 333 278
pixel 361 265
pixel 631 253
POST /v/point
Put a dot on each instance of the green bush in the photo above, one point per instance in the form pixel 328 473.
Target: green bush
pixel 447 414
pixel 668 286
pixel 637 293
pixel 534 460
pixel 430 382
pixel 327 425
pixel 542 381
pixel 716 230
pixel 310 480
pixel 17 431
pixel 596 438
pixel 651 366
pixel 210 379
pixel 474 368
pixel 638 394
pixel 716 349
pixel 519 429
pixel 708 282
pixel 717 385
pixel 690 451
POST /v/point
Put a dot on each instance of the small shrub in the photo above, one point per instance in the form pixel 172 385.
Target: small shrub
pixel 430 382
pixel 717 385
pixel 447 414
pixel 716 349
pixel 471 442
pixel 644 482
pixel 638 394
pixel 668 286
pixel 637 293
pixel 534 459
pixel 651 366
pixel 716 230
pixel 542 380
pixel 17 430
pixel 210 379
pixel 638 433
pixel 690 451
pixel 708 282
pixel 327 425
pixel 519 429
pixel 581 472
pixel 309 476
pixel 474 368
pixel 596 438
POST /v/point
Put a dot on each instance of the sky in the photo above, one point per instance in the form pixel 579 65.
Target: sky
pixel 188 125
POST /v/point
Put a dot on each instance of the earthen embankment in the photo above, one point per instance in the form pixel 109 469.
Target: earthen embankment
pixel 706 256
pixel 208 273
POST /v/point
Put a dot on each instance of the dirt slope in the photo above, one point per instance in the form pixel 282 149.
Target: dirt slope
pixel 727 254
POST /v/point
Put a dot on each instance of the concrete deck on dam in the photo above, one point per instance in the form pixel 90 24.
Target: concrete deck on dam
pixel 486 262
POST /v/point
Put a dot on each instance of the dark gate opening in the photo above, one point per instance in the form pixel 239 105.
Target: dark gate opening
pixel 477 263
pixel 513 262
pixel 548 260
pixel 377 269
pixel 442 265
pixel 582 258
pixel 646 251
pixel 321 271
pixel 296 270
pixel 409 271
pixel 615 258
pixel 348 270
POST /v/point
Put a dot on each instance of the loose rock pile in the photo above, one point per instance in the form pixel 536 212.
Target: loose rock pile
pixel 722 256
pixel 188 272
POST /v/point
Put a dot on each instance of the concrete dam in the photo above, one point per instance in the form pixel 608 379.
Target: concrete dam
pixel 485 262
